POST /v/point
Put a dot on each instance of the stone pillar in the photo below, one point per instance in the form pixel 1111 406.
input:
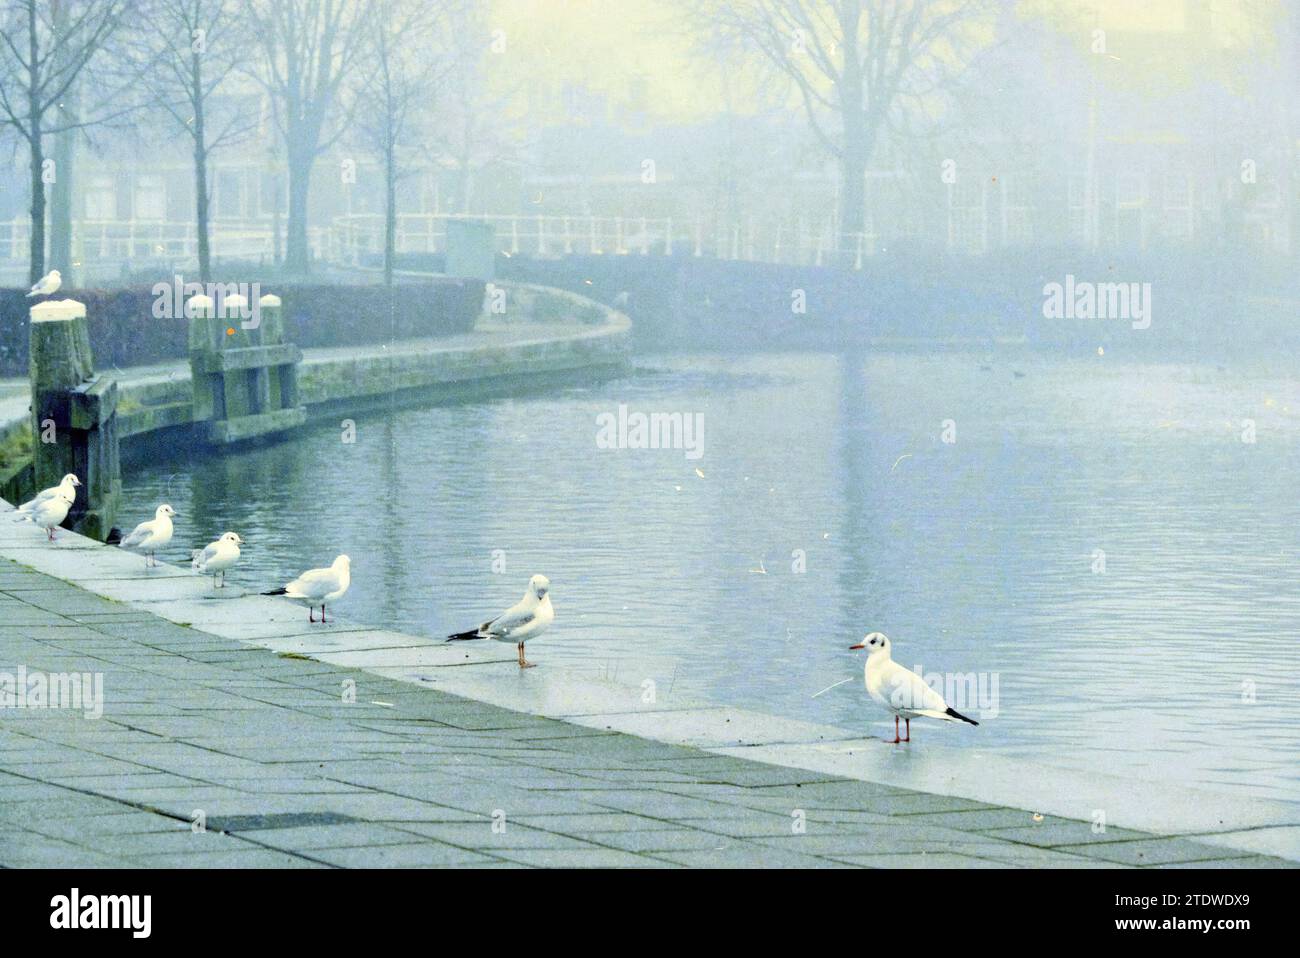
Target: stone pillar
pixel 74 416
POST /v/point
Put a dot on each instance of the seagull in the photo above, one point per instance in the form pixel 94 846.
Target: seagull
pixel 217 557
pixel 319 586
pixel 522 621
pixel 67 486
pixel 48 284
pixel 901 690
pixel 148 537
pixel 50 512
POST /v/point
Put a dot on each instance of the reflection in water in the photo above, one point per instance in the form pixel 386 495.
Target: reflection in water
pixel 981 558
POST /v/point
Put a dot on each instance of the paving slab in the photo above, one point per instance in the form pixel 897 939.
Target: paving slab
pixel 229 710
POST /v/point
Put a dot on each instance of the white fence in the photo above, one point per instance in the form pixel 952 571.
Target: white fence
pixel 358 236
pixel 105 249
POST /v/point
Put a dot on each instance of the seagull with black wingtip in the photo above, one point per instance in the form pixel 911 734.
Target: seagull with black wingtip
pixel 524 620
pixel 901 690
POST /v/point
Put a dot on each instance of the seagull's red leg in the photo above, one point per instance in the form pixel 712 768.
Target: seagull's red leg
pixel 908 722
pixel 322 611
pixel 311 613
pixel 896 738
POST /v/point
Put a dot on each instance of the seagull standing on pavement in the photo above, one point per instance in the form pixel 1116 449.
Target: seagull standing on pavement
pixel 217 557
pixel 901 690
pixel 524 620
pixel 67 487
pixel 148 537
pixel 50 512
pixel 47 285
pixel 319 586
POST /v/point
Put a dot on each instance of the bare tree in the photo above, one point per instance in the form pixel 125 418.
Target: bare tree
pixel 194 46
pixel 309 48
pixel 44 46
pixel 473 130
pixel 854 63
pixel 406 57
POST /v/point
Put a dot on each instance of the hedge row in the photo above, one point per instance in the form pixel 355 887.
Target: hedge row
pixel 124 330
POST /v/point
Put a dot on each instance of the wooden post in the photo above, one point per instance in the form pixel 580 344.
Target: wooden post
pixel 245 381
pixel 74 416
pixel 283 379
pixel 205 338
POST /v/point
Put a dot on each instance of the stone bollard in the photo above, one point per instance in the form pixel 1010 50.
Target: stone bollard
pixel 74 416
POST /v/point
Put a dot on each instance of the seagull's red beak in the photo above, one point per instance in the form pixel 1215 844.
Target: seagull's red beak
pixel 858 646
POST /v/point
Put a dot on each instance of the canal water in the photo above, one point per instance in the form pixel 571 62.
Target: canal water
pixel 1099 557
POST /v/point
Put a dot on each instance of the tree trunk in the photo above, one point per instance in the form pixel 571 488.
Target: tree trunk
pixel 36 247
pixel 852 211
pixel 201 212
pixel 390 214
pixel 200 170
pixel 297 255
pixel 61 192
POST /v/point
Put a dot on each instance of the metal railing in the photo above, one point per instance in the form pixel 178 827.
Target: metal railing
pixel 356 237
pixel 104 249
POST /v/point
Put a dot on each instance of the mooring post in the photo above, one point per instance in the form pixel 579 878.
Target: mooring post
pixel 282 381
pixel 245 380
pixel 74 416
pixel 204 339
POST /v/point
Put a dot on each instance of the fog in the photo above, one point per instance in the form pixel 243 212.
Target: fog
pixel 949 141
pixel 755 326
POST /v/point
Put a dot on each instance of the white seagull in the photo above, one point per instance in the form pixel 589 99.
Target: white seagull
pixel 319 586
pixel 50 512
pixel 525 619
pixel 67 486
pixel 47 285
pixel 901 690
pixel 215 558
pixel 148 537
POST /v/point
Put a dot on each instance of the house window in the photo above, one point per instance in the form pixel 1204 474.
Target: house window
pixel 150 197
pixel 1077 202
pixel 1179 215
pixel 271 194
pixel 229 199
pixel 1130 220
pixel 101 197
pixel 967 219
pixel 1130 190
pixel 1017 209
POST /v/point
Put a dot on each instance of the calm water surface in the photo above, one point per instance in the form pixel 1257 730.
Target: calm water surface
pixel 1098 539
